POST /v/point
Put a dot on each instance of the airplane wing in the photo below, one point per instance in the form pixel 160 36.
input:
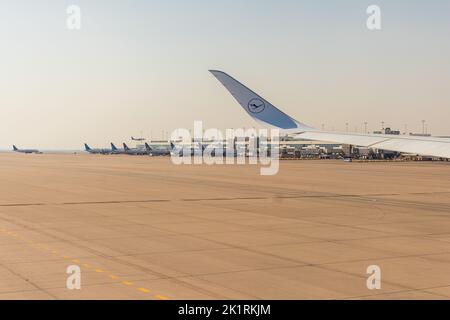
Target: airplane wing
pixel 429 146
pixel 264 112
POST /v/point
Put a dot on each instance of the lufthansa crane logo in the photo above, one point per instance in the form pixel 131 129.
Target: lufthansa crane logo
pixel 256 105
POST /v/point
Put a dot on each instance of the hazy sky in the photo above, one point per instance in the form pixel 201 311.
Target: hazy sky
pixel 141 66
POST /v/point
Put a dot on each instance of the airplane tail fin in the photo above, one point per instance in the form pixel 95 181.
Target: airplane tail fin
pixel 172 146
pixel 113 147
pixel 86 147
pixel 125 147
pixel 147 147
pixel 256 106
pixel 15 148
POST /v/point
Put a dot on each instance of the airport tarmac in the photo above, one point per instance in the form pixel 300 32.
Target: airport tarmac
pixel 143 228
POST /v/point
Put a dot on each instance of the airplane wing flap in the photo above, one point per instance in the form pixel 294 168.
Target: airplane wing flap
pixel 417 145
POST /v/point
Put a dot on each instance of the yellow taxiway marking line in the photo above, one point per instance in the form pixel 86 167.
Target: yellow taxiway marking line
pixel 86 265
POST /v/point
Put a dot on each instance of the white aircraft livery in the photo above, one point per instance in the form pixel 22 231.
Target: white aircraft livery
pixel 264 112
pixel 15 149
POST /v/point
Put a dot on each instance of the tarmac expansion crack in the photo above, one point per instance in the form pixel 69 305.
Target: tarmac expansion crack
pixel 322 195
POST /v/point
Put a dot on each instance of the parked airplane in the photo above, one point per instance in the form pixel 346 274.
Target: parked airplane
pixel 15 149
pixel 96 151
pixel 137 139
pixel 264 112
pixel 133 151
pixel 210 148
pixel 181 149
pixel 115 150
pixel 156 151
pixel 175 150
